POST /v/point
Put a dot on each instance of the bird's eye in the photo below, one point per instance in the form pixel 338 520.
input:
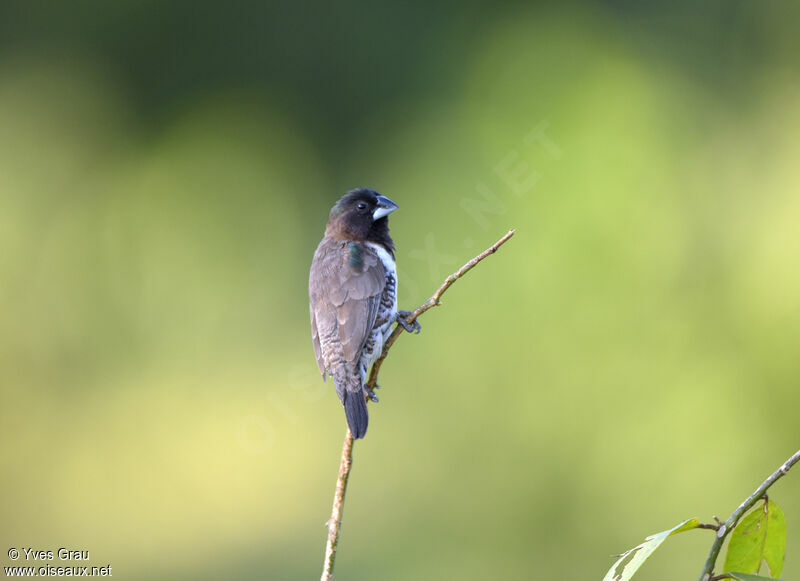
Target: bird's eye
pixel 361 206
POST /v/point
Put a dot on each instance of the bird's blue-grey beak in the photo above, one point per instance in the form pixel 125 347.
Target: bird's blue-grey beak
pixel 384 208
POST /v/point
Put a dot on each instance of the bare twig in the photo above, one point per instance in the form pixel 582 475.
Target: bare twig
pixel 335 521
pixel 430 303
pixel 726 527
pixel 338 506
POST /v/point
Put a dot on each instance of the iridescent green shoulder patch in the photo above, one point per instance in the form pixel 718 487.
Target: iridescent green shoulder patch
pixel 356 259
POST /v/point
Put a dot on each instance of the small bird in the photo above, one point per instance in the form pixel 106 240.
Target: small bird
pixel 352 289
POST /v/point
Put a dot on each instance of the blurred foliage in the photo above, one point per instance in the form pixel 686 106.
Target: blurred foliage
pixel 630 357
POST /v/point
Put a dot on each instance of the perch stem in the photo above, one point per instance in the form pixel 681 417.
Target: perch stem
pixel 335 522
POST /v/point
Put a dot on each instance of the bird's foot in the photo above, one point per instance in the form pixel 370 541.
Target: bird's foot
pixel 371 394
pixel 402 319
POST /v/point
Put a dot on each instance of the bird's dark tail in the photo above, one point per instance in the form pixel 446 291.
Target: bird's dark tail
pixel 355 408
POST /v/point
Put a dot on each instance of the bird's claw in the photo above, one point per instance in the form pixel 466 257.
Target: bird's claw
pixel 371 394
pixel 401 319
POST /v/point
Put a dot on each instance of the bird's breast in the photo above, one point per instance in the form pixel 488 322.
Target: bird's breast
pixel 388 306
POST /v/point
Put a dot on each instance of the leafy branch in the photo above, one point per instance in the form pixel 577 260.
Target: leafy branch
pixel 346 463
pixel 728 525
pixel 760 536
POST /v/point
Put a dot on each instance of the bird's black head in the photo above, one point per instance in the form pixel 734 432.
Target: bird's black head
pixel 362 215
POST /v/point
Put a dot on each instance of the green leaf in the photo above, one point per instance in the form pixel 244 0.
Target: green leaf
pixel 630 561
pixel 747 577
pixel 760 536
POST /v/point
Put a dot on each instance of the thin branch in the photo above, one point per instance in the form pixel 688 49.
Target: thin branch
pixel 338 507
pixel 434 301
pixel 726 527
pixel 335 522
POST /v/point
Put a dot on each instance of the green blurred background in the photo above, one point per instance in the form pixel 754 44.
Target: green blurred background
pixel 628 360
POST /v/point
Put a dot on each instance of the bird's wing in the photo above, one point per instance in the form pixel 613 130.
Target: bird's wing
pixel 315 339
pixel 345 287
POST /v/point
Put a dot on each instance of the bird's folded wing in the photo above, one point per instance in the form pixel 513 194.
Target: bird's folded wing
pixel 345 311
